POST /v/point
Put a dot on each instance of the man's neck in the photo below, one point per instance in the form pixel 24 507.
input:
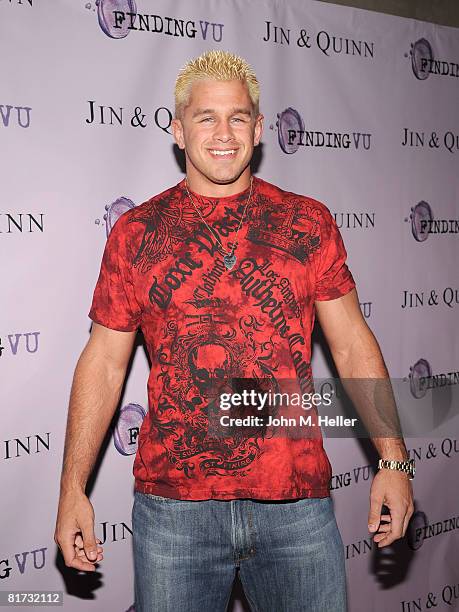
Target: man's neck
pixel 205 187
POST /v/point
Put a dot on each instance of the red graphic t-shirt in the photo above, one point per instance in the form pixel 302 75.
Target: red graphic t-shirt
pixel 163 271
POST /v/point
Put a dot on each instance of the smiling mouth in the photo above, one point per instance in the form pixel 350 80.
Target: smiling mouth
pixel 223 153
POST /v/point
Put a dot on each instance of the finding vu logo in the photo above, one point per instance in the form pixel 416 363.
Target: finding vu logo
pixel 423 222
pixel 119 17
pixel 292 134
pixel 423 62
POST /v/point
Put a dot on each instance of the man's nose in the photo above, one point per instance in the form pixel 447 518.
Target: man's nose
pixel 223 131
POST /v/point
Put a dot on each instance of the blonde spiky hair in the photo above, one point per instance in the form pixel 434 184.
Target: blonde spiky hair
pixel 218 65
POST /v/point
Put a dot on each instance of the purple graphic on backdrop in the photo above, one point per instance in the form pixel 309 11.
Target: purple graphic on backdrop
pixel 21 117
pixel 114 212
pixel 419 372
pixel 421 55
pixel 24 559
pixel 24 341
pixel 106 13
pixel 127 428
pixel 420 216
pixel 289 121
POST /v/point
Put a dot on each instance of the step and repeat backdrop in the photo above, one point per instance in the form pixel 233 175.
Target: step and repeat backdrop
pixel 361 113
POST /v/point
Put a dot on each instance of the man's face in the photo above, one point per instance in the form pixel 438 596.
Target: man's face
pixel 218 130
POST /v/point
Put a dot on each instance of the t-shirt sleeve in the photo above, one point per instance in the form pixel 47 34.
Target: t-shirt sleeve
pixel 114 303
pixel 333 277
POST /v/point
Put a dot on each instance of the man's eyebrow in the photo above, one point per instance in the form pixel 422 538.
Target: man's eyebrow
pixel 203 111
pixel 233 111
pixel 241 111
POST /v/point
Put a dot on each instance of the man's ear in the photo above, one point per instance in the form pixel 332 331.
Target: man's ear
pixel 258 130
pixel 177 131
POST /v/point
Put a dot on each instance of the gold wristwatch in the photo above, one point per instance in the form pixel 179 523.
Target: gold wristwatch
pixel 401 466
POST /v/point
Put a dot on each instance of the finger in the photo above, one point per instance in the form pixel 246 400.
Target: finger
pixel 374 515
pixel 82 557
pixel 65 543
pixel 386 518
pixel 79 540
pixel 378 539
pixel 81 554
pixel 382 533
pixel 407 518
pixel 89 540
pixel 395 532
pixel 82 566
pixel 80 545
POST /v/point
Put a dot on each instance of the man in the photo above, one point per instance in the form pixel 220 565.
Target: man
pixel 224 273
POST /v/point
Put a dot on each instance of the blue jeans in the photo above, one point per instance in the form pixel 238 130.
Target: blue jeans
pixel 289 555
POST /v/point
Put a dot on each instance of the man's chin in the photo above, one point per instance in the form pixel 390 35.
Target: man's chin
pixel 226 179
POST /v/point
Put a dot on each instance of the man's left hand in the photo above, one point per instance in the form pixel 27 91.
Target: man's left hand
pixel 392 489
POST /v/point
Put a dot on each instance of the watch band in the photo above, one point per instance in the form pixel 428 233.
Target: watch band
pixel 401 466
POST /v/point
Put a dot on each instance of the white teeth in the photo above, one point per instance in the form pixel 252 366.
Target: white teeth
pixel 214 152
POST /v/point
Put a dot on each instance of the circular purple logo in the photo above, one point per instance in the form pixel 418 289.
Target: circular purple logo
pixel 418 374
pixel 114 212
pixel 127 428
pixel 421 56
pixel 415 530
pixel 421 215
pixel 289 123
pixel 114 18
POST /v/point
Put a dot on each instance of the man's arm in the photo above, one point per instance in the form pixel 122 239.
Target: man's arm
pixel 95 393
pixel 357 355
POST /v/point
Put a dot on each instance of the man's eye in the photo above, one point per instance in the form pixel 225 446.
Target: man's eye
pixel 238 119
pixel 206 119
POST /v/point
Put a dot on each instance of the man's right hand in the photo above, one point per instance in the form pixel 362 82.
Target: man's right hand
pixel 96 391
pixel 74 533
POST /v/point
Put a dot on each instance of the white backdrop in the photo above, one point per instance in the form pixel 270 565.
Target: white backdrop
pixel 85 106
